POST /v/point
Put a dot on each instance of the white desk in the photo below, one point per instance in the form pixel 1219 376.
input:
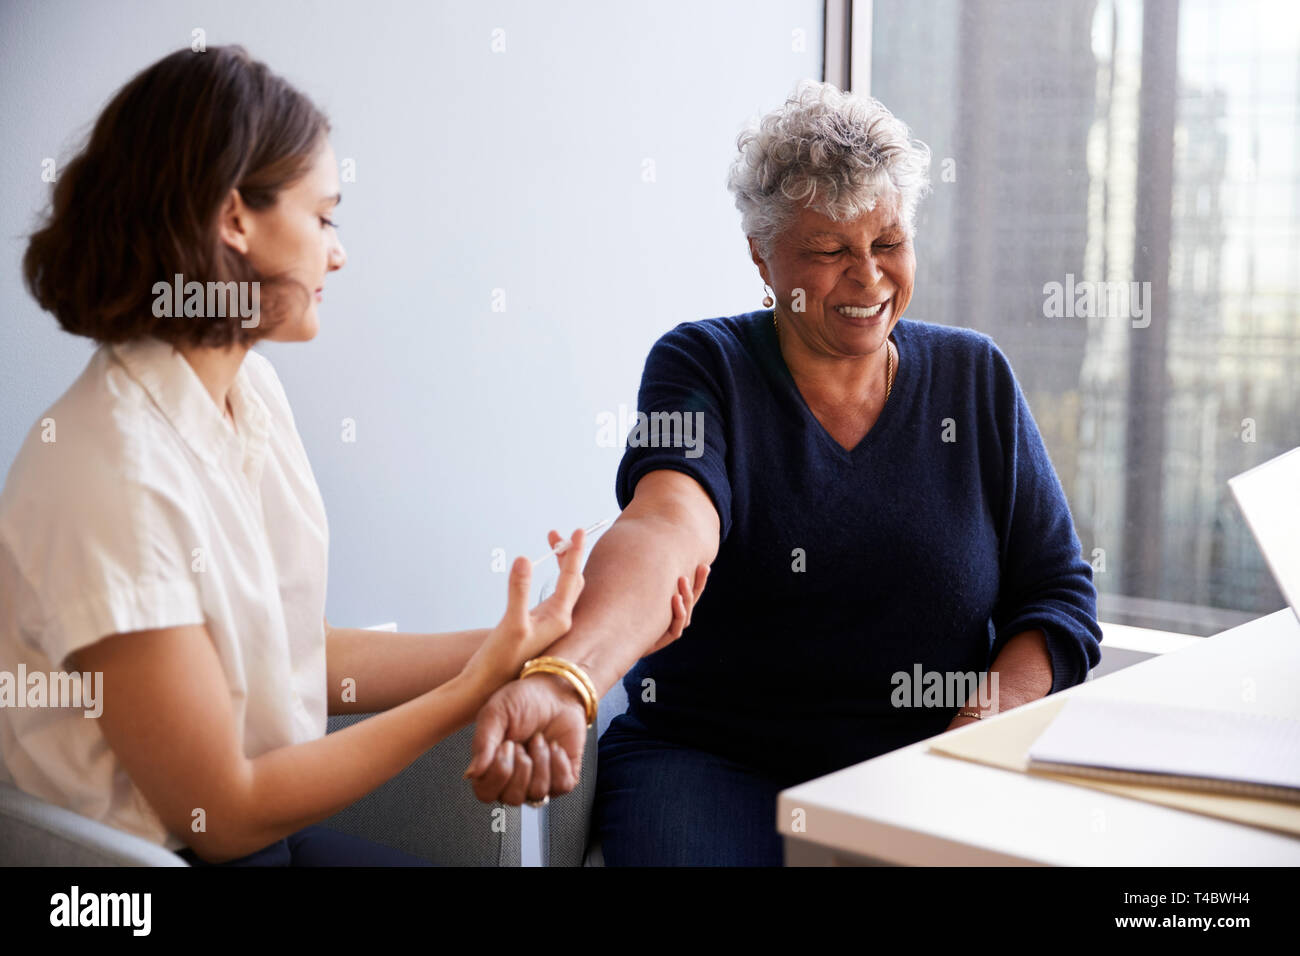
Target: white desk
pixel 918 808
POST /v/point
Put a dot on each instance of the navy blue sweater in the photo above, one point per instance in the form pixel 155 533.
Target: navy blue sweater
pixel 944 533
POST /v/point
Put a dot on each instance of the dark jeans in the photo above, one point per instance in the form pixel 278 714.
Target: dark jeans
pixel 659 803
pixel 316 846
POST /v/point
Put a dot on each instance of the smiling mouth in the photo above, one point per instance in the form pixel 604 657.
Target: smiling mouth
pixel 861 312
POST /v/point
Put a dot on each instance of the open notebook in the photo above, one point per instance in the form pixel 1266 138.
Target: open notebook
pixel 1230 752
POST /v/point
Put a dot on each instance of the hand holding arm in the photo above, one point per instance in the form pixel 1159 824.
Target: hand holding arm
pixel 531 768
pixel 668 530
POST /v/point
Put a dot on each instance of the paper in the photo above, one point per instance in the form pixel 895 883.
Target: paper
pixel 1223 748
pixel 1005 743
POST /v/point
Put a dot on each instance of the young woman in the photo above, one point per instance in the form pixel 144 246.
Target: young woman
pixel 161 532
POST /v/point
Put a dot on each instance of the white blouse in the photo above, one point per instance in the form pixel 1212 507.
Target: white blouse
pixel 133 504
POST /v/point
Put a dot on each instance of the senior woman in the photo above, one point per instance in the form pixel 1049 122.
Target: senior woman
pixel 875 500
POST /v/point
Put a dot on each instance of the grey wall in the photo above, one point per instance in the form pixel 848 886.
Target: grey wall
pixel 476 171
pixel 521 171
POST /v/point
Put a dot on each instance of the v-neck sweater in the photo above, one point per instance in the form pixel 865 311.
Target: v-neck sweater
pixel 849 583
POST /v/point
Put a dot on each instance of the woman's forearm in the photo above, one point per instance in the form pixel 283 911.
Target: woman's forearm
pixel 1024 673
pixel 625 604
pixel 289 788
pixel 370 671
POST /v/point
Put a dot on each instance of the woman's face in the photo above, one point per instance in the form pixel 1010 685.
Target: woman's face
pixel 856 278
pixel 295 238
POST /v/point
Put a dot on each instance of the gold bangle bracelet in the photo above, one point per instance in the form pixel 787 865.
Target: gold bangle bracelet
pixel 572 679
pixel 571 672
pixel 574 682
pixel 970 713
pixel 573 668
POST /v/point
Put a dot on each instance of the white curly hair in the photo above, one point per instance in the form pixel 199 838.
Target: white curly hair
pixel 834 152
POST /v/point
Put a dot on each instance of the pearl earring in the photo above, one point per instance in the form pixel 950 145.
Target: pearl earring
pixel 768 301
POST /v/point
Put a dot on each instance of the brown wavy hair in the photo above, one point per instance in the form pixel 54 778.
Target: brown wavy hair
pixel 140 202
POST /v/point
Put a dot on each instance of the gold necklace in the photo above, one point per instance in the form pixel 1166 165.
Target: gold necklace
pixel 889 358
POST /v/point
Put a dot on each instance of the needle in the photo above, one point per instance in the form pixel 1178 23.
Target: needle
pixel 564 545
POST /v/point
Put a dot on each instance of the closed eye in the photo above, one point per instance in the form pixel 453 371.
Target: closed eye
pixel 328 222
